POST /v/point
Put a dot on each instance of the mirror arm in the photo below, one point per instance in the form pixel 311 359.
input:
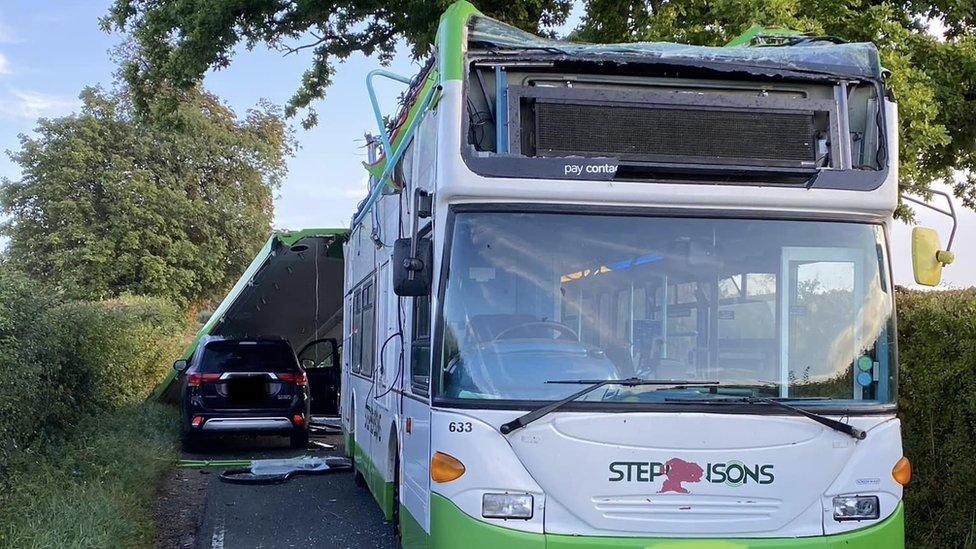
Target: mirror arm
pixel 951 212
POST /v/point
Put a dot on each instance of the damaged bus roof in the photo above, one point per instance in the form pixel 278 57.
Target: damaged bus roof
pixel 292 289
pixel 804 56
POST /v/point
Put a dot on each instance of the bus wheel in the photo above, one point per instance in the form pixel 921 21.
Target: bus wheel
pixel 357 475
pixel 396 496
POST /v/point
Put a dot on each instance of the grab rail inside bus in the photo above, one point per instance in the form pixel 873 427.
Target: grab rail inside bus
pixel 392 156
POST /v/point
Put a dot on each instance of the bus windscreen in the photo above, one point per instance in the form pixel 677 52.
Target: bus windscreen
pixel 769 308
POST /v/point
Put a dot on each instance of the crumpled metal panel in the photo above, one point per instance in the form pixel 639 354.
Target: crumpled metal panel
pixel 855 60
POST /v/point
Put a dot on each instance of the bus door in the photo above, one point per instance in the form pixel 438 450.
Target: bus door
pixel 820 288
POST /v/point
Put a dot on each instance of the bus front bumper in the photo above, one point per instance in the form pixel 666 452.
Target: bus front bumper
pixel 451 527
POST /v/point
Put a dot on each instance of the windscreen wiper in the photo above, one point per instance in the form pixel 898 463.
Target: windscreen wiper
pixel 854 432
pixel 593 385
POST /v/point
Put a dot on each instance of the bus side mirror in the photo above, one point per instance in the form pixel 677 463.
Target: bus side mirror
pixel 928 257
pixel 412 275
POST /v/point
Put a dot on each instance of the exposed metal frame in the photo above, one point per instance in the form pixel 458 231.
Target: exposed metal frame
pixel 843 159
pixel 392 156
pixel 511 166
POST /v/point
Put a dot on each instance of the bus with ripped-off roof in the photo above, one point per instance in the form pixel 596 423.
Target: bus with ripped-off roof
pixel 630 295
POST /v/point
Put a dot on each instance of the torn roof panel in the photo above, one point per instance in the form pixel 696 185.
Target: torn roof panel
pixel 292 289
pixel 855 60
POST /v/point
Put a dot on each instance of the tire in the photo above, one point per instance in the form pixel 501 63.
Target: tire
pixel 396 497
pixel 299 439
pixel 357 475
pixel 190 441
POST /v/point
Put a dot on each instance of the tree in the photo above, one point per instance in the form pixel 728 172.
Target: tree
pixel 933 77
pixel 112 203
pixel 206 33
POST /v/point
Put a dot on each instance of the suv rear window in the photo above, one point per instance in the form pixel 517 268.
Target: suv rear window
pixel 248 356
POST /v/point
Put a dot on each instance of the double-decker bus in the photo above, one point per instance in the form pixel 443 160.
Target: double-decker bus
pixel 629 295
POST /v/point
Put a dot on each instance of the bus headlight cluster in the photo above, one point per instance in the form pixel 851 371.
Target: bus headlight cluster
pixel 506 506
pixel 856 508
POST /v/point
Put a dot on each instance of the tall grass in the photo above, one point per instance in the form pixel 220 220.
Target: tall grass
pixel 95 487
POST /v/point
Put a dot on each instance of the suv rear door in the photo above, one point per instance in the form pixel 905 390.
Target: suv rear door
pixel 249 374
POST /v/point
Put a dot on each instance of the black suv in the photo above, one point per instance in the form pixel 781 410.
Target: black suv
pixel 243 386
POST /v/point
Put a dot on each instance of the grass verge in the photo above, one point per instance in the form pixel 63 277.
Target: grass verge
pixel 94 488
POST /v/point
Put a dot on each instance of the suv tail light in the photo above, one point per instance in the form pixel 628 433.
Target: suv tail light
pixel 299 378
pixel 196 379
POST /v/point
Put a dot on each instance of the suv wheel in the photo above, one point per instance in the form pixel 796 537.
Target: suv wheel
pixel 188 439
pixel 299 438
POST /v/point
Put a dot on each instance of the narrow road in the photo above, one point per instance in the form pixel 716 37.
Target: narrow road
pixel 322 511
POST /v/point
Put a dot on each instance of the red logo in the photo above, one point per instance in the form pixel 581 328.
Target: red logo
pixel 677 471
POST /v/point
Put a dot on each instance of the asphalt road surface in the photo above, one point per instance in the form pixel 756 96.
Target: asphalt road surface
pixel 306 511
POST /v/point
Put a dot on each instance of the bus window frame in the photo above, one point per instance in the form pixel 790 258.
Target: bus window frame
pixel 368 361
pixel 437 336
pixel 356 339
pixel 420 388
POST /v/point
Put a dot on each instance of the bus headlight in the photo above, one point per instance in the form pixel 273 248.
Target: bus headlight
pixel 506 506
pixel 856 508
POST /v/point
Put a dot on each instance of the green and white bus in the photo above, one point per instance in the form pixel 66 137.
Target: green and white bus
pixel 630 295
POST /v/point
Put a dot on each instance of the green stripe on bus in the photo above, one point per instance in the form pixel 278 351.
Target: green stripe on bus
pixel 381 489
pixel 412 534
pixel 377 169
pixel 450 39
pixel 451 527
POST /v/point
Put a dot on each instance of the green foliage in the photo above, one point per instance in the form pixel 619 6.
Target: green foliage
pixel 126 346
pixel 933 78
pixel 937 355
pixel 27 401
pixel 63 361
pixel 179 40
pixel 113 203
pixel 96 487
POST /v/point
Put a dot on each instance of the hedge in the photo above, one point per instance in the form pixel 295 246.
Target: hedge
pixel 61 361
pixel 937 406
